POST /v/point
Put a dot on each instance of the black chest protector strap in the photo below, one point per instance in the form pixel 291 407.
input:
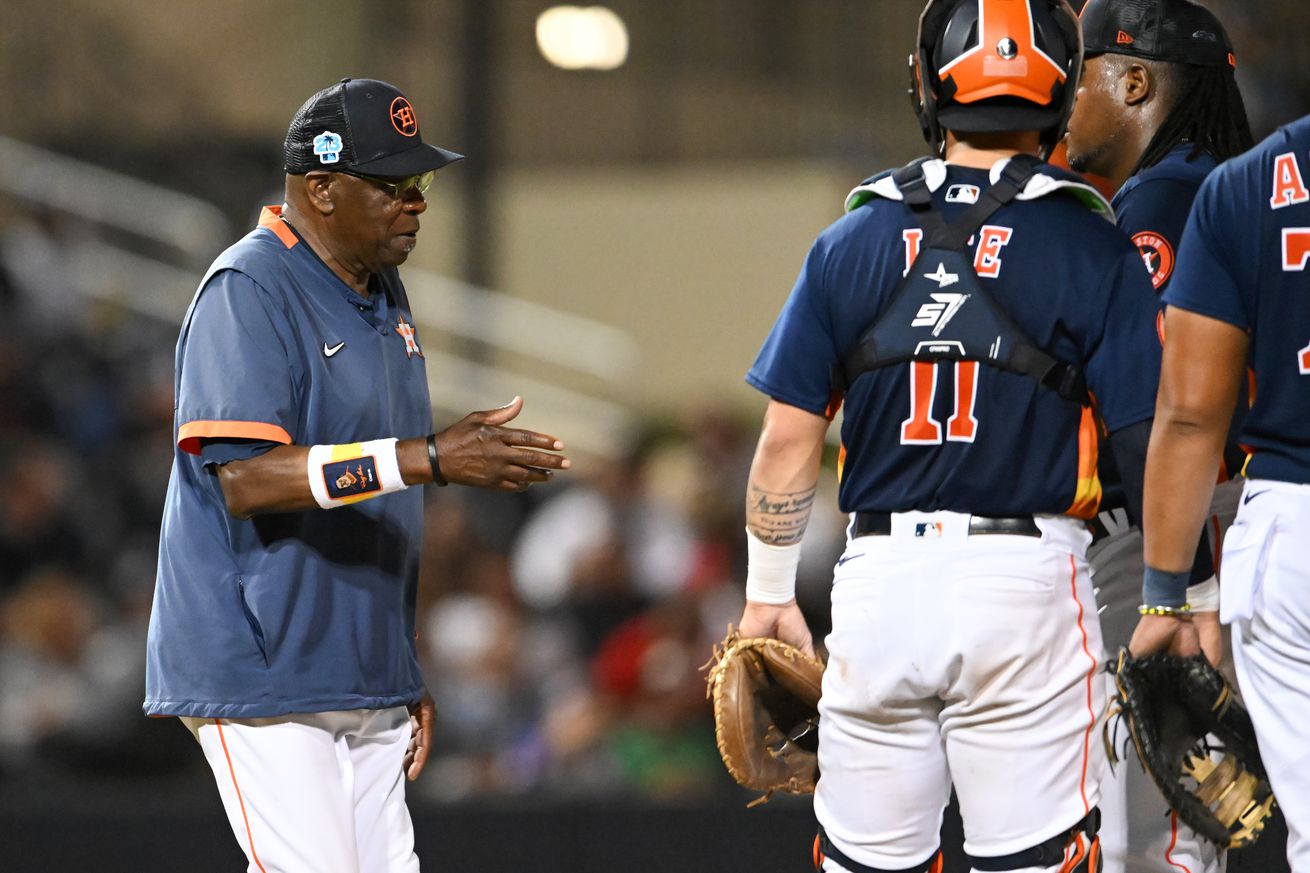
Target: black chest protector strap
pixel 941 311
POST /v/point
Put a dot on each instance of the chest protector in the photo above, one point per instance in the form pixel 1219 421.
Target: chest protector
pixel 941 311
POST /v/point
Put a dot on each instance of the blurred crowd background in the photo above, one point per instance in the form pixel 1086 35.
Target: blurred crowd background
pixel 614 249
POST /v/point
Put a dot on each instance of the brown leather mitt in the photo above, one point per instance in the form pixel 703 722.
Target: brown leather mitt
pixel 1196 742
pixel 766 714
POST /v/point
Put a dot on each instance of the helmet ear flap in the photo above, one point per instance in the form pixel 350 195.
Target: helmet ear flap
pixel 924 102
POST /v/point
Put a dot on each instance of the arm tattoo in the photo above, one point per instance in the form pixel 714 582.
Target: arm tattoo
pixel 776 518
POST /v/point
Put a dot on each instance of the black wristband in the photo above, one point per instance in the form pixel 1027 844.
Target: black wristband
pixel 434 462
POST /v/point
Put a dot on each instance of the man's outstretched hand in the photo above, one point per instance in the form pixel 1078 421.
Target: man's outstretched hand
pixel 479 450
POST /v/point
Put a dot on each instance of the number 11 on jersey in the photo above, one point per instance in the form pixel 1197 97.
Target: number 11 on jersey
pixel 921 429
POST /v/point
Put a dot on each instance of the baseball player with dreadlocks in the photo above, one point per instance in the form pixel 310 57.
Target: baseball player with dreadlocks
pixel 964 310
pixel 1158 108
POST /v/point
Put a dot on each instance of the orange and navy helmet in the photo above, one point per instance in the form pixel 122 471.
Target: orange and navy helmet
pixel 996 65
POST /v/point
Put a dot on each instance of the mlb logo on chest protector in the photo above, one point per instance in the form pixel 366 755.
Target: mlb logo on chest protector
pixel 931 529
pixel 963 194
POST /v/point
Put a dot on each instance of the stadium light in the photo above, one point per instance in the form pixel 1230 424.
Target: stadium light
pixel 582 37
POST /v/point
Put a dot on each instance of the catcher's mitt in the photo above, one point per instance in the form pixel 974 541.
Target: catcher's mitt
pixel 1176 709
pixel 766 714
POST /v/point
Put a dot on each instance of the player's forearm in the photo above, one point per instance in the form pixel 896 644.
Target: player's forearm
pixel 779 496
pixel 278 480
pixel 784 475
pixel 1204 361
pixel 1182 465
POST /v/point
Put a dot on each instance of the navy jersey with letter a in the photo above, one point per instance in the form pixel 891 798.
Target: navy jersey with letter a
pixel 1243 260
pixel 964 436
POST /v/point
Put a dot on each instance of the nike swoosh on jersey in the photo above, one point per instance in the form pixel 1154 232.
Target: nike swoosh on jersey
pixel 329 351
pixel 841 561
pixel 1248 498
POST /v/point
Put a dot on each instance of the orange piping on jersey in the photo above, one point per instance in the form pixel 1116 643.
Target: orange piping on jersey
pixel 1173 842
pixel 834 405
pixel 1091 685
pixel 818 854
pixel 249 837
pixel 190 434
pixel 1087 497
pixel 271 217
pixel 841 460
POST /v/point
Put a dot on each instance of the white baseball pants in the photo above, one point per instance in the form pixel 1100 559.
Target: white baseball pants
pixel 316 792
pixel 973 660
pixel 1265 597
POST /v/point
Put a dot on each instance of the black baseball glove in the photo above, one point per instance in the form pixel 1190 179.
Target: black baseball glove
pixel 1196 742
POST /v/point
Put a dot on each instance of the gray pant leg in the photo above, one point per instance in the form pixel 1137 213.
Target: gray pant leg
pixel 1138 832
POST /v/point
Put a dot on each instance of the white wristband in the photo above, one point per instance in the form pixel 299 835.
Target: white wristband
pixel 770 571
pixel 352 472
pixel 1204 596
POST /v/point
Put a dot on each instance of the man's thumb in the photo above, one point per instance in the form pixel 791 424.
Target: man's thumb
pixel 504 413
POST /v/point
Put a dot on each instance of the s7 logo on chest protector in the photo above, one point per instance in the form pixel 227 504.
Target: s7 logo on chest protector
pixel 936 315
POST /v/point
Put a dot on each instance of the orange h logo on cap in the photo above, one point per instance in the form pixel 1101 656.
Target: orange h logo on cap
pixel 403 118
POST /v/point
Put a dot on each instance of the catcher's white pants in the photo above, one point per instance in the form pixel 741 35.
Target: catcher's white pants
pixel 315 793
pixel 966 659
pixel 1266 598
pixel 1139 833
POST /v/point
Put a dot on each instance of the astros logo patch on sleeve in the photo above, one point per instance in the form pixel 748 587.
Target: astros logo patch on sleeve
pixel 1158 256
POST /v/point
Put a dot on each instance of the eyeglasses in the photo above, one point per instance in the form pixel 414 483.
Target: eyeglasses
pixel 397 188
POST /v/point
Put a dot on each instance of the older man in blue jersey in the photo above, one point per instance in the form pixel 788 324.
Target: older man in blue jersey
pixel 962 310
pixel 283 628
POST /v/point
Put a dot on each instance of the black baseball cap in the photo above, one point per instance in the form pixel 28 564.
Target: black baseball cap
pixel 360 125
pixel 1177 31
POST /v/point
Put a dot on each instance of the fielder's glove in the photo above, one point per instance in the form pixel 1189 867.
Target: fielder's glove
pixel 1175 708
pixel 766 714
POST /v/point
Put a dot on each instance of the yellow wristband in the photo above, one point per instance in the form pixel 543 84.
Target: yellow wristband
pixel 1184 611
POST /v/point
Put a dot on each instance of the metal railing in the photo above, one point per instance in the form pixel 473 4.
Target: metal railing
pixel 515 339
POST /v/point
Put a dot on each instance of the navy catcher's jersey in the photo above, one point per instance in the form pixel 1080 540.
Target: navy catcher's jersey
pixel 299 611
pixel 1243 261
pixel 963 436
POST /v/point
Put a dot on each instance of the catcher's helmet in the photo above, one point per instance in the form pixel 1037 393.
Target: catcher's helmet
pixel 996 65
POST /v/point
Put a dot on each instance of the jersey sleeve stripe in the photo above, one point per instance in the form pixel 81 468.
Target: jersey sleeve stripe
pixel 190 434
